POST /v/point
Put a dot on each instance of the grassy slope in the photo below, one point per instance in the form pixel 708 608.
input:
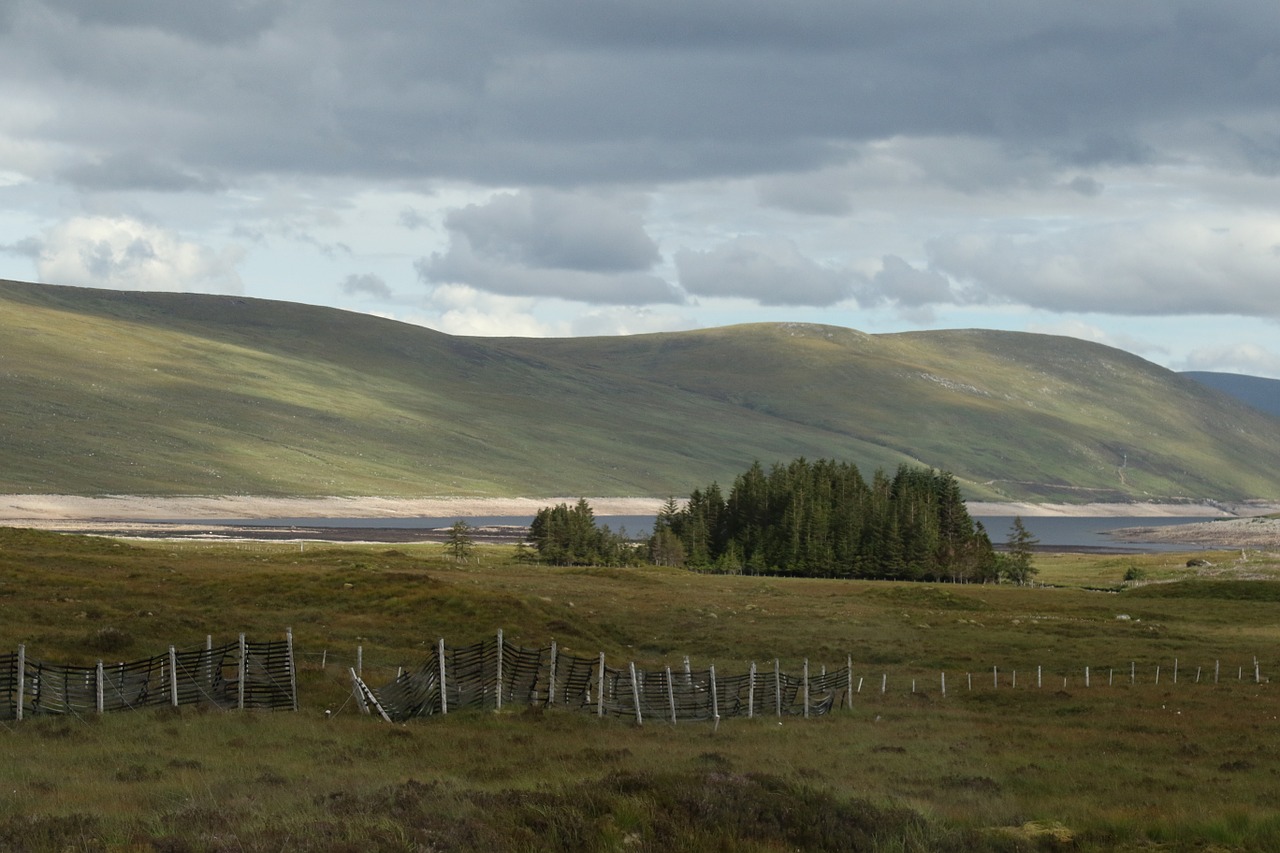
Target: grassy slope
pixel 1188 765
pixel 108 392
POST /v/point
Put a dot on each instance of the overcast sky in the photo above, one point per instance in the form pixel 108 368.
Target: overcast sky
pixel 1108 170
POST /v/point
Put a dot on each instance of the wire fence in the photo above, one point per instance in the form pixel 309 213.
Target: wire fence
pixel 236 675
pixel 494 674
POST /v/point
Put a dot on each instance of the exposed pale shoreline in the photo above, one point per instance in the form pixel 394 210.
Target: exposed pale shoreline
pixel 16 509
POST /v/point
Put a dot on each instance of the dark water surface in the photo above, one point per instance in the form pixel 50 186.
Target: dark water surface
pixel 1053 531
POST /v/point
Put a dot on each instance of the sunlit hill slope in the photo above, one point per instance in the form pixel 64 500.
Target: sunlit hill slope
pixel 105 392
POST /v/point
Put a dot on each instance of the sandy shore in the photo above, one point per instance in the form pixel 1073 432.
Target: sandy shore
pixel 15 509
pixel 142 515
pixel 1221 533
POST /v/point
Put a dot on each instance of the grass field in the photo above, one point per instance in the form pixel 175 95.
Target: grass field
pixel 1171 766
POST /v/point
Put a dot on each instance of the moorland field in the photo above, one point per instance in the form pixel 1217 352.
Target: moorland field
pixel 1191 765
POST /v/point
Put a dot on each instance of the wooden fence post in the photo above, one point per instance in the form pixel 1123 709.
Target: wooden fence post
pixel 551 690
pixel 360 661
pixel 849 687
pixel 944 684
pixel 99 702
pixel 243 672
pixel 499 693
pixel 806 688
pixel 671 696
pixel 777 686
pixel 635 694
pixel 600 689
pixel 444 692
pixel 1175 670
pixel 1039 676
pixel 22 680
pixel 995 676
pixel 751 693
pixel 173 676
pixel 715 698
pixel 1086 676
pixel 293 669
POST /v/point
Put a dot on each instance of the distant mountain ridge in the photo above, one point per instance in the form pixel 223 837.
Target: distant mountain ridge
pixel 108 392
pixel 1260 393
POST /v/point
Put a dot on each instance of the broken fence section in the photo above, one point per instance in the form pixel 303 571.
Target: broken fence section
pixel 240 675
pixel 494 674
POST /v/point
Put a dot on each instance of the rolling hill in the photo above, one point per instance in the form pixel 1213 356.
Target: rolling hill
pixel 1263 394
pixel 106 392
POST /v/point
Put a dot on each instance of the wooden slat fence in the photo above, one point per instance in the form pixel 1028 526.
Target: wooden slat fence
pixel 494 674
pixel 235 675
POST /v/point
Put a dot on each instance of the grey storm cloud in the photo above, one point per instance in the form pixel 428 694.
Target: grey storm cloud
pixel 558 92
pixel 910 287
pixel 769 270
pixel 552 244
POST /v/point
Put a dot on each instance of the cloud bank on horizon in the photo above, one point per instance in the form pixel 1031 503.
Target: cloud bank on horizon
pixel 548 167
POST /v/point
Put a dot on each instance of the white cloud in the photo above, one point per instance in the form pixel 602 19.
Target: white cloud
pixel 463 310
pixel 1248 358
pixel 122 253
pixel 365 284
pixel 1208 264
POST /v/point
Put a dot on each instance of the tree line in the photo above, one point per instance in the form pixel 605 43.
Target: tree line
pixel 807 519
pixel 823 519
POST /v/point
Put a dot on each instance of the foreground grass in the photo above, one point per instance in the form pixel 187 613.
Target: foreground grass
pixel 1191 765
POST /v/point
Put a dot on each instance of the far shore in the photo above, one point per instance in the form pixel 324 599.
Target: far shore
pixel 19 509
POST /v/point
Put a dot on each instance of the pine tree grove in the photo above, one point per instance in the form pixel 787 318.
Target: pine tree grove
pixel 822 519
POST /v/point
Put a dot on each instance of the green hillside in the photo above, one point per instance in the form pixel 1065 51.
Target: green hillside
pixel 108 392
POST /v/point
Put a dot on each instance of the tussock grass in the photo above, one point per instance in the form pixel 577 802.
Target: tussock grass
pixel 1109 766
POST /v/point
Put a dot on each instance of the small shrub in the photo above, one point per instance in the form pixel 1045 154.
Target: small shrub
pixel 108 640
pixel 1133 573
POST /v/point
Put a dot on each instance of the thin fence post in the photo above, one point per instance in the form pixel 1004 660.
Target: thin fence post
pixel 1133 673
pixel 99 703
pixel 1197 675
pixel 970 677
pixel 715 698
pixel 324 659
pixel 1111 674
pixel 806 689
pixel 635 694
pixel 1039 676
pixel 859 684
pixel 444 688
pixel 22 680
pixel 293 670
pixel 944 685
pixel 498 695
pixel 884 682
pixel 751 693
pixel 1157 673
pixel 1216 666
pixel 244 670
pixel 671 697
pixel 208 662
pixel 600 689
pixel 777 686
pixel 995 676
pixel 1086 676
pixel 555 658
pixel 360 661
pixel 688 673
pixel 1013 681
pixel 173 675
pixel 849 689
pixel 1175 670
pixel 1257 672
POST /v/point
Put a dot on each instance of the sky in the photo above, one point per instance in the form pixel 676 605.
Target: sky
pixel 1105 170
